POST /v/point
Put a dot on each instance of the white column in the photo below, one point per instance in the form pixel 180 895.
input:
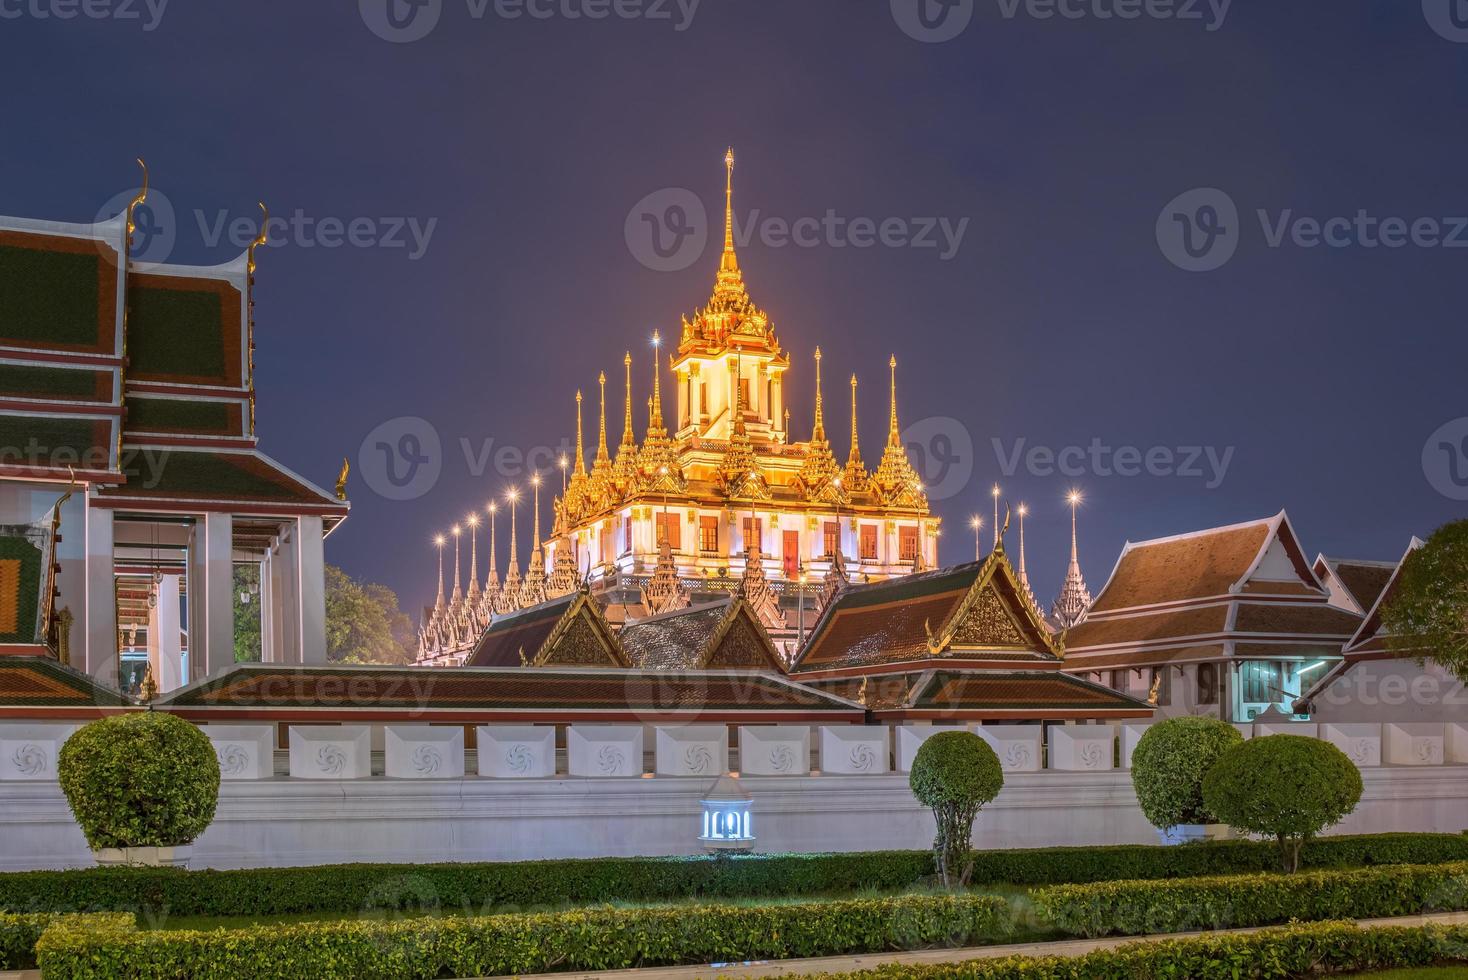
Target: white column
pixel 95 630
pixel 211 596
pixel 269 651
pixel 165 652
pixel 285 610
pixel 311 582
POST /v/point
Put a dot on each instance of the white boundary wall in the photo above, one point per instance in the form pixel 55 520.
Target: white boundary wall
pixel 284 820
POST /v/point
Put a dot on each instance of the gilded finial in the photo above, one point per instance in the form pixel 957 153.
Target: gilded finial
pixel 137 202
pixel 818 433
pixel 1155 695
pixel 729 264
pixel 260 238
pixel 341 479
pixel 893 436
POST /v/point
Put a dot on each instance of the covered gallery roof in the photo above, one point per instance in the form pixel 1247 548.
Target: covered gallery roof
pixel 722 633
pixel 1245 591
pixel 467 694
pixel 38 686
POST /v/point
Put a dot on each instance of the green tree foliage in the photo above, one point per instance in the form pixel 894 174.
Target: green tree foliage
pixel 1427 616
pixel 247 614
pixel 140 780
pixel 364 623
pixel 1169 764
pixel 1288 787
pixel 954 774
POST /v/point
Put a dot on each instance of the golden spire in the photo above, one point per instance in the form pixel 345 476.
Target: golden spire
pixel 510 594
pixel 627 437
pixel 818 432
pixel 655 420
pixel 624 471
pixel 601 447
pixel 580 469
pixel 894 438
pixel 895 478
pixel 728 262
pixel 855 477
pixel 819 466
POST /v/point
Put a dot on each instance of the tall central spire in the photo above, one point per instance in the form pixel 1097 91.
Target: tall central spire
pixel 894 438
pixel 729 262
pixel 818 431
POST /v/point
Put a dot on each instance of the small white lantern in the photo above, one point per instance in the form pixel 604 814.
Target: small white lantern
pixel 727 825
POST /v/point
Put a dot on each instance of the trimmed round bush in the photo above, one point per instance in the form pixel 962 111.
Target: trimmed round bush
pixel 1169 763
pixel 140 780
pixel 954 774
pixel 1288 787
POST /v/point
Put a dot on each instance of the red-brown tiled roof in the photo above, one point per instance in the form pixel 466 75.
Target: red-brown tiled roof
pixel 1313 619
pixel 1190 621
pixel 1189 567
pixel 520 633
pixel 42 682
pixel 1040 692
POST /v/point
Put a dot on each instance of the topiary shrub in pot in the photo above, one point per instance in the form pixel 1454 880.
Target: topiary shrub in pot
pixel 1289 787
pixel 1168 766
pixel 954 774
pixel 141 786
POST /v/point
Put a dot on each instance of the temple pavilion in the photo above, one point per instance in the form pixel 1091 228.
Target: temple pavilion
pixel 137 512
pixel 718 495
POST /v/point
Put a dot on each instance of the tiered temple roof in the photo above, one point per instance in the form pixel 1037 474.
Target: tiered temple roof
pixel 1243 591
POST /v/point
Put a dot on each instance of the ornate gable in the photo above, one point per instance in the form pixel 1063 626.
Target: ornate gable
pixel 996 614
pixel 741 641
pixel 582 638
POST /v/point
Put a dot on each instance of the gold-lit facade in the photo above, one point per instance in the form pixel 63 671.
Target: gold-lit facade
pixel 719 494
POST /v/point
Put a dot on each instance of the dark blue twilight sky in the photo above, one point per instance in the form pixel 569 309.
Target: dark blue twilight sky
pixel 1057 144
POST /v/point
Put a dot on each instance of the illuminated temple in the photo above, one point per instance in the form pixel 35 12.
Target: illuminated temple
pixel 717 497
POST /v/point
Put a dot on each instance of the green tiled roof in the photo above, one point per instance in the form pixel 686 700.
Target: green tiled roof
pixel 177 415
pixel 42 682
pixel 34 381
pixel 199 475
pixel 56 441
pixel 50 297
pixel 176 333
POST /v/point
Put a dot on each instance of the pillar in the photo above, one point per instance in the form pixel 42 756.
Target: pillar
pixel 165 653
pixel 311 582
pixel 96 640
pixel 284 608
pixel 211 596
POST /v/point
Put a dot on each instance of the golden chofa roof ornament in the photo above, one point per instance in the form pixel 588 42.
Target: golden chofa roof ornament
pixel 137 202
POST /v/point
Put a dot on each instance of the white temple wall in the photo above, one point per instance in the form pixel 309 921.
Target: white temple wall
pixel 281 821
pixel 1393 690
pixel 342 805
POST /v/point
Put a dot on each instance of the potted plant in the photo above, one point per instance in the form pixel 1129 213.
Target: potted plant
pixel 1289 787
pixel 954 774
pixel 142 787
pixel 1168 766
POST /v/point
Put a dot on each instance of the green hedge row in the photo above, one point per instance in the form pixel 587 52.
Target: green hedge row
pixel 1134 908
pixel 538 884
pixel 19 932
pixel 1274 954
pixel 598 938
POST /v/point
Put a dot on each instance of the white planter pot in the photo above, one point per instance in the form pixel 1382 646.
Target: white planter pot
pixel 144 857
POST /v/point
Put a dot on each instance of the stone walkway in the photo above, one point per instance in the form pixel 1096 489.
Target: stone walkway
pixel 846 964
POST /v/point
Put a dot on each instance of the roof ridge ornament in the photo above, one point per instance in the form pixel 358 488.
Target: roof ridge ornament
pixel 137 202
pixel 260 239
